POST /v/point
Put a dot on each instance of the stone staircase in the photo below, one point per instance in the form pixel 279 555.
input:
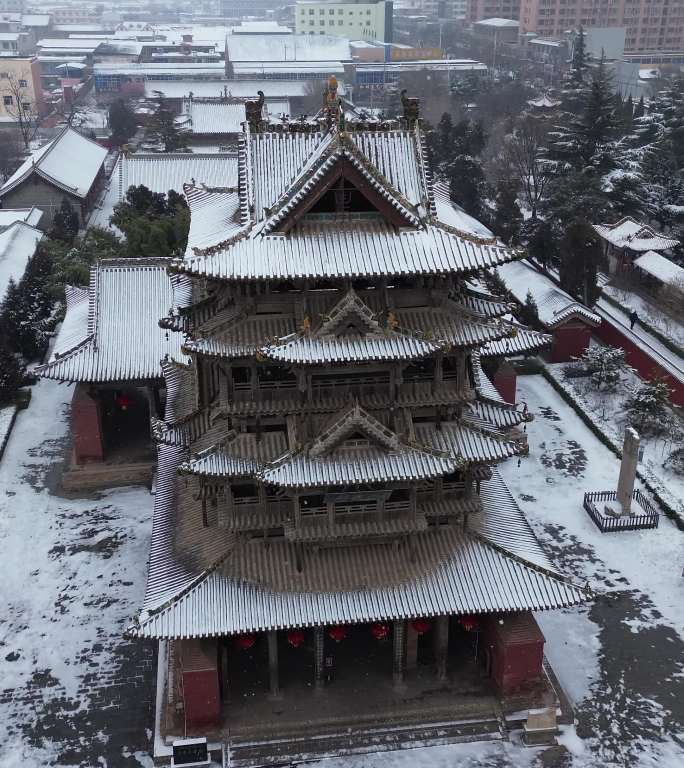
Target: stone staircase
pixel 335 739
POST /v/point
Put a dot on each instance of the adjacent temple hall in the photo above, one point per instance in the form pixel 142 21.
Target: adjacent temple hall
pixel 331 537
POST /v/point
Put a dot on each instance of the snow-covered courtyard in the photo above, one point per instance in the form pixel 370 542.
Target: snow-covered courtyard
pixel 74 692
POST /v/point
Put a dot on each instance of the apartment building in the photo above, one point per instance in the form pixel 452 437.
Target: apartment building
pixel 651 25
pixel 19 77
pixel 353 19
pixel 490 9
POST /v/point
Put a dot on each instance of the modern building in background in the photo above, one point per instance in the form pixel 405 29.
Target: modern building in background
pixel 652 25
pixel 489 9
pixel 19 77
pixel 352 19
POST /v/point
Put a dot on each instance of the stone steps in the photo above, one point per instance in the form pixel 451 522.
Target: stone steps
pixel 89 477
pixel 245 753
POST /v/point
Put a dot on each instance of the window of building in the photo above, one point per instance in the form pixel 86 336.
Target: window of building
pixel 7 101
pixel 23 84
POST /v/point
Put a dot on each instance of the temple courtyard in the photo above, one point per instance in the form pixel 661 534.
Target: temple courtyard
pixel 73 692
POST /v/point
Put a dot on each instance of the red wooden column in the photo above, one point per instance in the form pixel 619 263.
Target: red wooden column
pixel 86 426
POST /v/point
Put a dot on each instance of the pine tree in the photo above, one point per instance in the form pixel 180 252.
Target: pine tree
pixel 162 128
pixel 648 407
pixel 574 85
pixel 528 314
pixel 65 223
pixel 640 109
pixel 507 216
pixel 122 122
pixel 12 375
pixel 466 182
pixel 541 243
pixel 604 365
pixel 580 258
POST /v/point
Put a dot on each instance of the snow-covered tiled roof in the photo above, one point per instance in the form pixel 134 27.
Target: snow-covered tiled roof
pixel 70 162
pixel 454 216
pixel 357 465
pixel 301 349
pixel 519 341
pixel 554 305
pixel 121 340
pixel 18 243
pixel 658 266
pixel 214 215
pixel 160 172
pixel 31 216
pixel 216 117
pixel 254 588
pixel 630 234
pixel 351 249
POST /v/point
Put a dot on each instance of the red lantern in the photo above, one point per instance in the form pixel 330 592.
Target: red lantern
pixel 469 623
pixel 379 630
pixel 337 634
pixel 295 637
pixel 245 642
pixel 123 401
pixel 421 626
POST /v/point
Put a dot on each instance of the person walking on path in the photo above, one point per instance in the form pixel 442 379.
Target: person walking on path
pixel 633 317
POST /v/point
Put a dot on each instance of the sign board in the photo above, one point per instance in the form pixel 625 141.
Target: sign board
pixel 190 752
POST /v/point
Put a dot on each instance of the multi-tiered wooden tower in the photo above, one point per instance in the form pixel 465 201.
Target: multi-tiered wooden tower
pixel 326 460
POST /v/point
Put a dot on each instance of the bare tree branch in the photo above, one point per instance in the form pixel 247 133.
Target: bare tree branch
pixel 524 155
pixel 21 110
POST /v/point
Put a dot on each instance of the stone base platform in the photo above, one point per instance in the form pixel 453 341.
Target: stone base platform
pixel 95 476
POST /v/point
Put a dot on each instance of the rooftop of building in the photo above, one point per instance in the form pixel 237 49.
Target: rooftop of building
pixel 70 161
pixel 18 243
pixel 554 305
pixel 498 22
pixel 111 331
pixel 632 235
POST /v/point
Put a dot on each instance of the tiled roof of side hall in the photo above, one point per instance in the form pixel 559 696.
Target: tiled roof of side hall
pixel 111 331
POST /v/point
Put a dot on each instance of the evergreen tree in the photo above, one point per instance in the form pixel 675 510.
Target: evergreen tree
pixel 122 122
pixel 65 223
pixel 154 224
pixel 440 140
pixel 507 216
pixel 528 314
pixel 648 407
pixel 12 375
pixel 466 183
pixel 541 243
pixel 162 127
pixel 604 365
pixel 640 109
pixel 574 84
pixel 581 253
pixel 576 195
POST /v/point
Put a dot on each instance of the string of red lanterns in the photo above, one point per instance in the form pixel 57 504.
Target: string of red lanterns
pixel 123 401
pixel 338 634
pixel 245 642
pixel 469 623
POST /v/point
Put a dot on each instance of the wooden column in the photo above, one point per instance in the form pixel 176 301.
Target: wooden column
pixel 411 647
pixel 273 677
pixel 441 641
pixel 319 656
pixel 398 653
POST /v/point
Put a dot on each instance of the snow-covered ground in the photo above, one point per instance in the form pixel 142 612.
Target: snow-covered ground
pixel 648 311
pixel 72 690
